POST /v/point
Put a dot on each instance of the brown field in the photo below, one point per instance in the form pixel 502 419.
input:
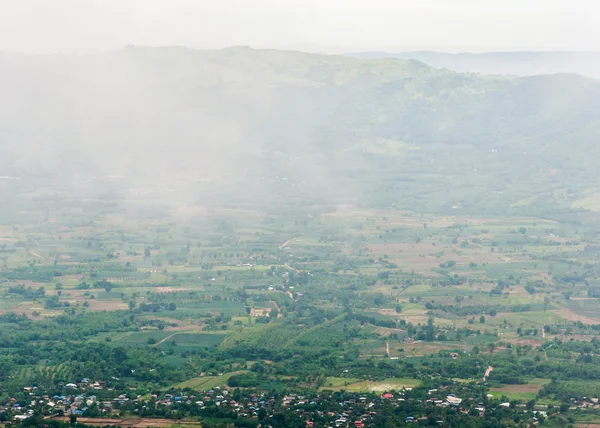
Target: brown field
pixel 23 308
pixel 132 423
pixel 417 349
pixel 170 289
pixel 384 331
pixel 519 388
pixel 260 312
pixel 107 305
pixel 424 255
pixel 572 316
pixel 28 308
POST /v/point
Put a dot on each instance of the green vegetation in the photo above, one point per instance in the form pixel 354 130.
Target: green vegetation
pixel 436 233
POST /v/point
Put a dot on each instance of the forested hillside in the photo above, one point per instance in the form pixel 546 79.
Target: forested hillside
pixel 386 132
pixel 519 63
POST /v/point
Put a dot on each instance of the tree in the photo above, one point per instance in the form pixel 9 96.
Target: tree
pixel 73 419
pixel 379 299
pixel 398 308
pixel 482 319
pixel 430 330
pixel 262 413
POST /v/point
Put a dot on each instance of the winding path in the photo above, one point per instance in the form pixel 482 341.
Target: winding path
pixel 36 255
pixel 487 372
pixel 166 338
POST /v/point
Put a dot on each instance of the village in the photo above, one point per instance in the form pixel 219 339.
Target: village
pixel 80 402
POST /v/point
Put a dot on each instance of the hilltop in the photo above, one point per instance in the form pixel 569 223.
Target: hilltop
pixel 520 63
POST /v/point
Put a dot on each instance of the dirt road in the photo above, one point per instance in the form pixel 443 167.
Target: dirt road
pixel 487 372
pixel 291 268
pixel 165 339
pixel 282 246
pixel 279 314
pixel 387 349
pixel 37 255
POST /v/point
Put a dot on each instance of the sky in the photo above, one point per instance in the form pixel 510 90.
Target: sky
pixel 87 26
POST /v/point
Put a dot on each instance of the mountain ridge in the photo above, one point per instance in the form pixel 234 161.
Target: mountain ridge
pixel 342 129
pixel 518 63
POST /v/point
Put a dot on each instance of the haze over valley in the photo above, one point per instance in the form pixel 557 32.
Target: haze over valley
pixel 241 236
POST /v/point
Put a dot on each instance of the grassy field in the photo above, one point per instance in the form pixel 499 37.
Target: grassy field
pixel 206 383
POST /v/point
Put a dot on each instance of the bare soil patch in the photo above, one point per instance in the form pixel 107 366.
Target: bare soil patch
pixel 525 342
pixel 107 305
pixel 572 316
pixel 260 312
pixel 519 388
pixel 170 289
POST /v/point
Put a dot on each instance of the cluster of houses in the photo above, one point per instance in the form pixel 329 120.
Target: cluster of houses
pixel 68 403
pixel 450 400
pixel 586 403
pixel 356 412
pixel 247 408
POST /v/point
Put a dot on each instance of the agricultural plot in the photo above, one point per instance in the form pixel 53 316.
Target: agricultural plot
pixel 140 338
pixel 206 383
pixel 524 392
pixel 228 308
pixel 190 341
pixel 358 288
pixel 356 385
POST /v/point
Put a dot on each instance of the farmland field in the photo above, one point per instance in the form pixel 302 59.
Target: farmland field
pixel 246 237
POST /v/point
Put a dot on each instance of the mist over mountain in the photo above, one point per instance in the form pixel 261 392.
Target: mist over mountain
pixel 240 125
pixel 511 63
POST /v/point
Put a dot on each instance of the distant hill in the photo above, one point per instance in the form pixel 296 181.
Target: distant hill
pixel 511 63
pixel 263 125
